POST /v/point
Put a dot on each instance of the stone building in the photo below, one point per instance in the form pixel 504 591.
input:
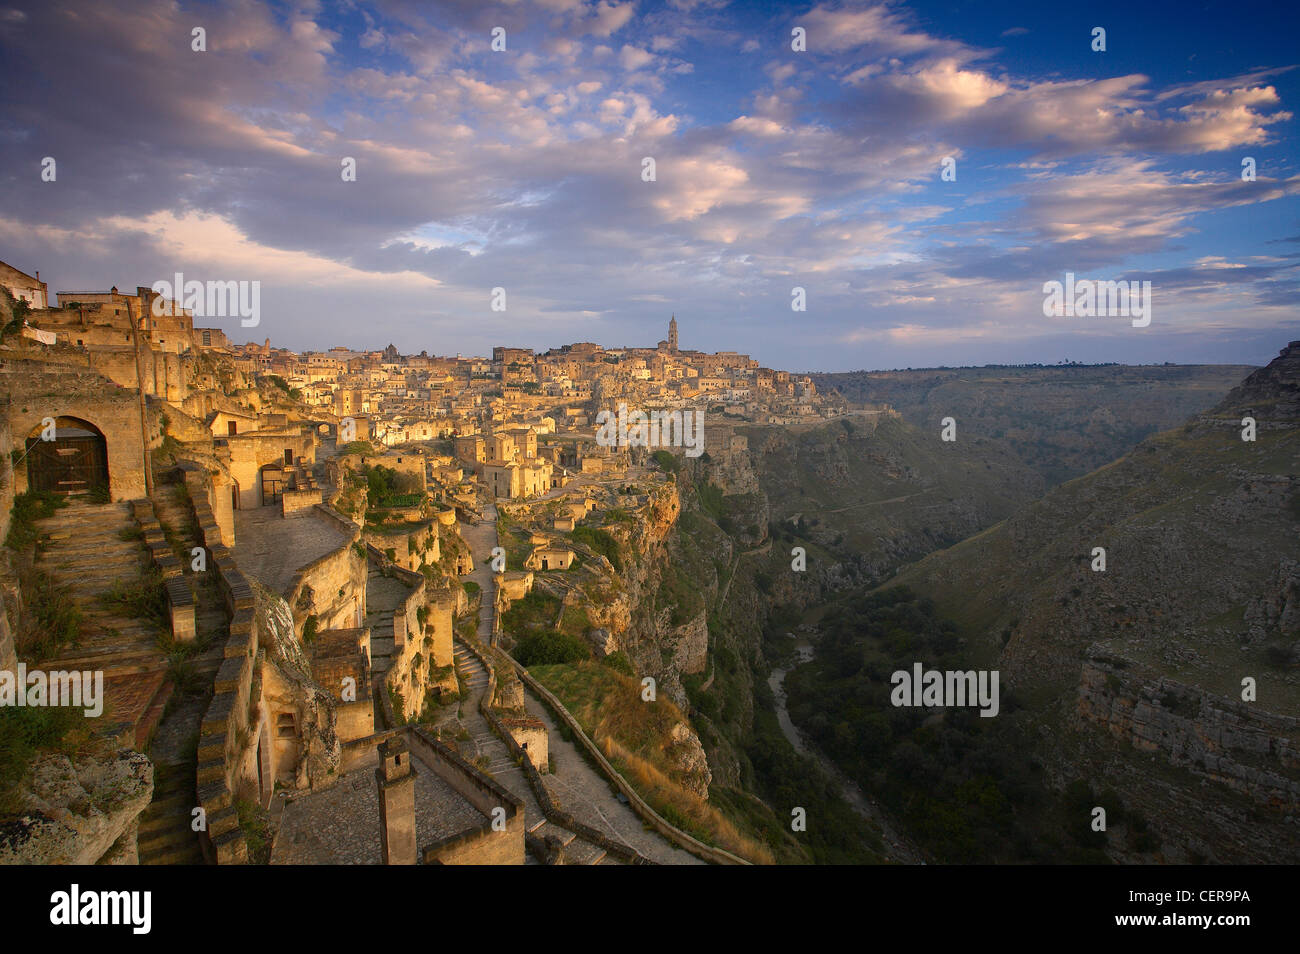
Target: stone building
pixel 25 287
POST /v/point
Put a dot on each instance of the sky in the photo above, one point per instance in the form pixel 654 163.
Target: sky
pixel 774 169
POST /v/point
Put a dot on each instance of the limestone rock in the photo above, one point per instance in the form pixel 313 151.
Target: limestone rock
pixel 602 641
pixel 77 811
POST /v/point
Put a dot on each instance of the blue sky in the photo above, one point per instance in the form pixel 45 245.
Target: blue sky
pixel 774 169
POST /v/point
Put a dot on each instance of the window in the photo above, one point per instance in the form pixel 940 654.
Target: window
pixel 288 455
pixel 285 727
pixel 232 427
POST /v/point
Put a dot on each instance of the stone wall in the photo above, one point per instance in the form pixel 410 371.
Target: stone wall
pixel 332 587
pixel 249 453
pixel 486 846
pixel 228 733
pixel 36 391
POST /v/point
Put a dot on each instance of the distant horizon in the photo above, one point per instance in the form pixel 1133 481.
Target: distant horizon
pixel 821 183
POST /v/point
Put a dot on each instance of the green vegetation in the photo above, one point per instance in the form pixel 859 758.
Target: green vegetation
pixel 964 786
pixel 711 500
pixel 56 620
pixel 551 648
pixel 680 594
pixel 255 823
pixel 601 542
pixel 533 613
pixel 25 733
pixel 28 508
pixel 18 309
pixel 619 662
pixel 667 461
pixel 146 598
pixel 398 704
pixel 636 738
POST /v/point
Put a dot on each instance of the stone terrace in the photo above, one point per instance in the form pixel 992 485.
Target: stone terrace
pixel 271 548
pixel 340 825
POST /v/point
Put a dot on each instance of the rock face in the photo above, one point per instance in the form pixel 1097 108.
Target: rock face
pixel 1200 530
pixel 80 811
pixel 287 684
pixel 1252 751
pixel 687 754
pixel 602 642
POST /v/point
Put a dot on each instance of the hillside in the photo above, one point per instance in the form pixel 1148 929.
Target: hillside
pixel 1135 673
pixel 1062 421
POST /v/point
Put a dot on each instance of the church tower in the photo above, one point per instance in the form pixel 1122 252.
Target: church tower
pixel 672 333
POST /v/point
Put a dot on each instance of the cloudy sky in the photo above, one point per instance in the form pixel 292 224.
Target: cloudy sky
pixel 774 168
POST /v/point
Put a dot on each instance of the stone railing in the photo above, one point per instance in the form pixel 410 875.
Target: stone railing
pixel 180 597
pixel 553 811
pixel 228 723
pixel 639 805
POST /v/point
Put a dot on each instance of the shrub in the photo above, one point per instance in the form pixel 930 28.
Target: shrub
pixel 547 648
pixel 601 542
pixel 618 662
pixel 28 508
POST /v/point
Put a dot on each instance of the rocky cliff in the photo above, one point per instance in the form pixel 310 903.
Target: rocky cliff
pixel 82 810
pixel 1200 530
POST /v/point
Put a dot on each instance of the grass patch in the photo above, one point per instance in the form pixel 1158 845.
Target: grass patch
pixel 28 732
pixel 255 823
pixel 28 508
pixel 636 737
pixel 146 598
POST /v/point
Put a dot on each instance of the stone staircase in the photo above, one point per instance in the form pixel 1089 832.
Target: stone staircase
pixel 82 548
pixel 502 767
pixel 383 596
pixel 166 836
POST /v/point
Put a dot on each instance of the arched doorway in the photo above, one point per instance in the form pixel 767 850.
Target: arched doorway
pixel 272 484
pixel 76 461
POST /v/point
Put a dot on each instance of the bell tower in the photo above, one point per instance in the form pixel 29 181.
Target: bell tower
pixel 672 333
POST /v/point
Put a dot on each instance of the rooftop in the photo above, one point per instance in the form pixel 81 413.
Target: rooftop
pixel 340 825
pixel 271 548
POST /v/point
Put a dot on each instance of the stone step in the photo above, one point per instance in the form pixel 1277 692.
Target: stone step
pixel 106 632
pixel 181 855
pixel 582 852
pixel 549 829
pixel 110 666
pixel 170 804
pixel 176 834
pixel 91 543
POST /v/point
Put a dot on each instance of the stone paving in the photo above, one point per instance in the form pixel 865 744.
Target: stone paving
pixel 587 795
pixel 481 538
pixel 270 548
pixel 340 825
